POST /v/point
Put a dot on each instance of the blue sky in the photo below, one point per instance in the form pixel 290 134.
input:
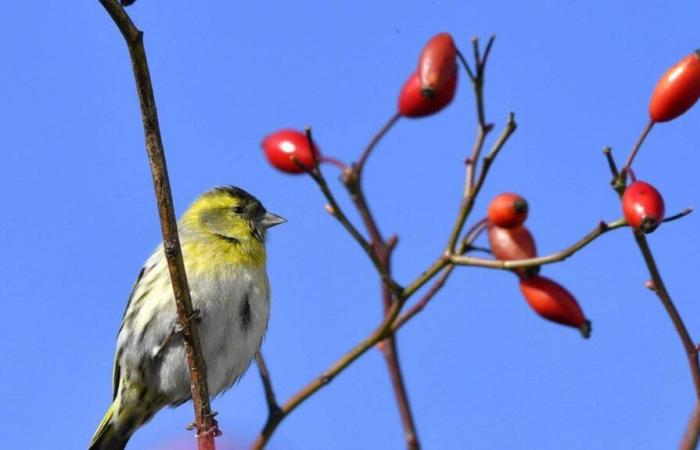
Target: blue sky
pixel 483 371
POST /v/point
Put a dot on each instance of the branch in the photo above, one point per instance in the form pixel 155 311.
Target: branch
pixel 329 374
pixel 659 288
pixel 637 146
pixel 657 284
pixel 375 140
pixel 599 230
pixel 472 190
pixel 336 211
pixel 466 245
pixel 273 408
pixel 204 419
pixel 690 439
pixel 382 250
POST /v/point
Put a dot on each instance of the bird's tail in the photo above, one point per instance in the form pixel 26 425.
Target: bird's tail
pixel 108 435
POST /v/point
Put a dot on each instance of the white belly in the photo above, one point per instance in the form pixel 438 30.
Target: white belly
pixel 234 319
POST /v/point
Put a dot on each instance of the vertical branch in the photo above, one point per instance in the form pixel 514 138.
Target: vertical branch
pixel 690 439
pixel 659 288
pixel 204 420
pixel 657 283
pixel 383 249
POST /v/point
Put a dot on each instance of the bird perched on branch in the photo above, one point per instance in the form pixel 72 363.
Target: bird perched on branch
pixel 222 236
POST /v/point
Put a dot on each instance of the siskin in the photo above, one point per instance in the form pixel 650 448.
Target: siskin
pixel 222 236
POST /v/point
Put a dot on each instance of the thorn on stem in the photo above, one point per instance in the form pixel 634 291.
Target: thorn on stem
pixel 329 209
pixel 649 284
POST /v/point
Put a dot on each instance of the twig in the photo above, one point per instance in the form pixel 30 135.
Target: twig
pixel 205 424
pixel 466 245
pixel 657 282
pixel 661 292
pixel 317 175
pixel 272 405
pixel 469 198
pixel 690 439
pixel 329 374
pixel 352 179
pixel 375 140
pixel 599 230
pixel 637 146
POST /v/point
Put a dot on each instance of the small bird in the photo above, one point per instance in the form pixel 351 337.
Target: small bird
pixel 222 237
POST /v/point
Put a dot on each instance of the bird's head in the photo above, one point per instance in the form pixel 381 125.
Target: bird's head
pixel 230 213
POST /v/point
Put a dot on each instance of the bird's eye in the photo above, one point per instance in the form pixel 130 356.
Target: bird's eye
pixel 239 210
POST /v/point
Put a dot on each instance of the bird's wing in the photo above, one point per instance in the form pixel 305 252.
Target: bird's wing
pixel 116 371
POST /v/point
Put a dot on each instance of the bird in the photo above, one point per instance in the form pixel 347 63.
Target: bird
pixel 222 237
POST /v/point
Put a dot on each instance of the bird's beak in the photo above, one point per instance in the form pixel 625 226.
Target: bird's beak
pixel 270 220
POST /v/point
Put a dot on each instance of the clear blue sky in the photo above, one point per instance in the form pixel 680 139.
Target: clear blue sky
pixel 483 371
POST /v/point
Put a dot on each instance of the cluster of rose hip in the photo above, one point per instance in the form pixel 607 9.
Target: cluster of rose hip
pixel 509 239
pixel 432 87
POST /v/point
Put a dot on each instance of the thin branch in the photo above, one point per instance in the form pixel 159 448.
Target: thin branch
pixel 205 424
pixel 336 211
pixel 375 140
pixel 637 146
pixel 465 246
pixel 391 357
pixel 272 405
pixel 379 334
pixel 466 65
pixel 656 283
pixel 599 230
pixel 468 199
pixel 691 350
pixel 425 299
pixel 352 179
pixel 690 439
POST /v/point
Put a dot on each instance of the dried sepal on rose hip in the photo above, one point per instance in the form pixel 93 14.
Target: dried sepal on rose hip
pixel 643 206
pixel 508 210
pixel 508 244
pixel 437 64
pixel 677 90
pixel 412 103
pixel 553 302
pixel 289 151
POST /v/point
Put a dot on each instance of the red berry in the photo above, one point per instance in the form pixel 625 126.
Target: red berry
pixel 677 90
pixel 513 244
pixel 551 301
pixel 437 63
pixel 284 146
pixel 643 206
pixel 412 103
pixel 508 210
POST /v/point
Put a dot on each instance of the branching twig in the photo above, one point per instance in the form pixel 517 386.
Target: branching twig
pixel 329 374
pixel 657 283
pixel 472 192
pixel 599 230
pixel 204 419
